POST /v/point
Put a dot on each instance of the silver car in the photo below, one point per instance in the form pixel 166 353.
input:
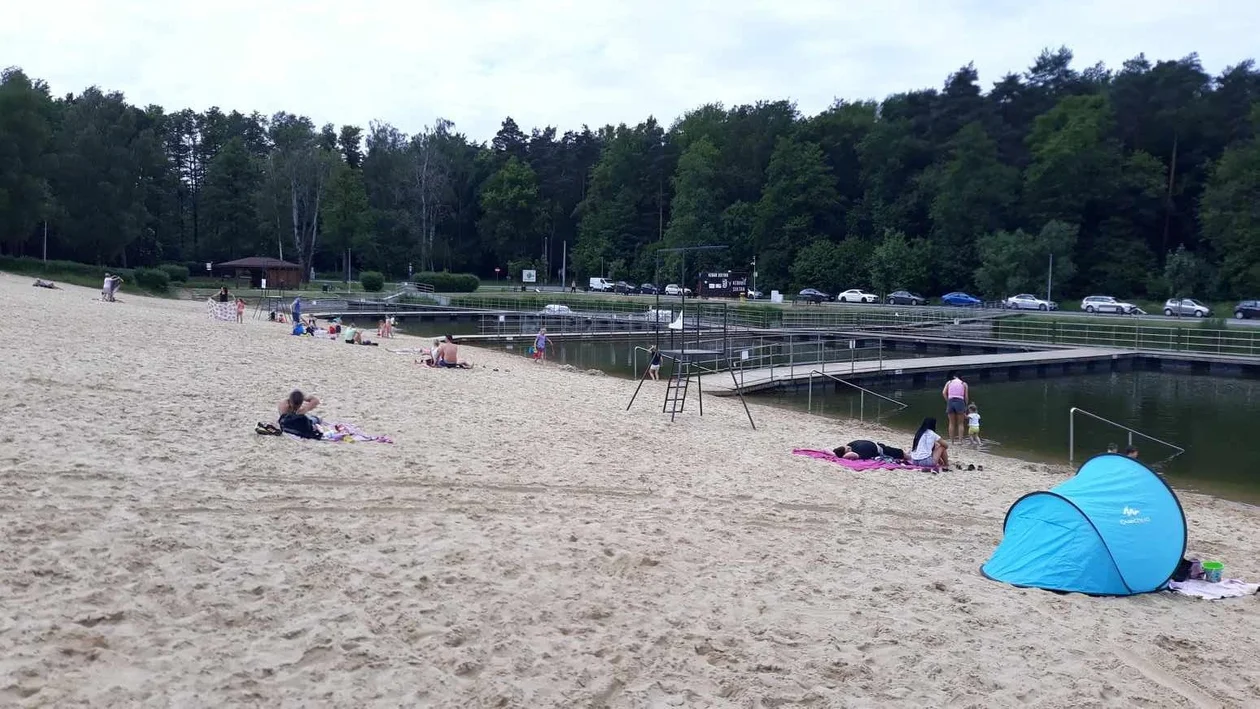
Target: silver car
pixel 1028 301
pixel 1106 304
pixel 1186 306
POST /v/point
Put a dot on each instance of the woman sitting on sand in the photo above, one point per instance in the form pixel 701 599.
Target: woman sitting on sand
pixel 928 449
pixel 296 417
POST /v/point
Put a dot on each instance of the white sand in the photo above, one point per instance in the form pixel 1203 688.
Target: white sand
pixel 526 543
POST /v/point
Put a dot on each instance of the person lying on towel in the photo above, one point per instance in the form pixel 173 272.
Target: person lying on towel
pixel 870 450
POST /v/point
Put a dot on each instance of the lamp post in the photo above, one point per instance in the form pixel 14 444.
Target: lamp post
pixel 496 274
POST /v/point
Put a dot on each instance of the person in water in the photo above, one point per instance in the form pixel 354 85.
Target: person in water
pixel 957 396
pixel 540 345
pixel 869 450
pixel 929 450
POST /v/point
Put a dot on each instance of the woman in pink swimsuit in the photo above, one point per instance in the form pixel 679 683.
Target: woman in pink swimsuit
pixel 957 396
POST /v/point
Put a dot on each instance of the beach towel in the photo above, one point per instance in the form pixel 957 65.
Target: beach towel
pixel 221 311
pixel 855 464
pixel 345 433
pixel 1225 588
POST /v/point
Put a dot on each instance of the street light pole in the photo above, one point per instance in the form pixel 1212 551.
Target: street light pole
pixel 1050 277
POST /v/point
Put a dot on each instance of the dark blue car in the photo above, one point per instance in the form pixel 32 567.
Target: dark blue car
pixel 960 299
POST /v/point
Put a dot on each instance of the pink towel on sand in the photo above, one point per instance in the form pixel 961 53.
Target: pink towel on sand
pixel 854 464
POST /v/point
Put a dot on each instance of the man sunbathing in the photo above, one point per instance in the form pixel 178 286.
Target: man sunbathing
pixel 869 450
pixel 447 355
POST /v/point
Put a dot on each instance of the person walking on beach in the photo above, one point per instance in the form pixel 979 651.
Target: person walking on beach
pixel 654 367
pixel 240 310
pixel 540 345
pixel 956 397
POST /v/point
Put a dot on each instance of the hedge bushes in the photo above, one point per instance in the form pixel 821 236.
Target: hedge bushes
pixel 444 282
pixel 153 279
pixel 373 281
pixel 34 267
pixel 177 273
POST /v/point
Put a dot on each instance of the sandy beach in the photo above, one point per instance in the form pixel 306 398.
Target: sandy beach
pixel 526 542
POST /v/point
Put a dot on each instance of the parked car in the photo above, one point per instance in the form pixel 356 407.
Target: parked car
pixel 813 295
pixel 675 289
pixel 754 294
pixel 1247 309
pixel 1107 304
pixel 648 289
pixel 623 288
pixel 601 284
pixel 856 295
pixel 555 309
pixel 1028 301
pixel 1186 306
pixel 905 297
pixel 961 299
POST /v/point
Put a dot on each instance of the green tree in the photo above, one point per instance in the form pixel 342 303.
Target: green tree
pixel 695 215
pixel 1018 262
pixel 346 220
pixel 1185 275
pixel 25 134
pixel 796 206
pixel 1231 222
pixel 229 201
pixel 897 262
pixel 975 195
pixel 511 210
pixel 100 198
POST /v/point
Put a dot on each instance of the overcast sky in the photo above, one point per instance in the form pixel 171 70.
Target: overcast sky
pixel 566 63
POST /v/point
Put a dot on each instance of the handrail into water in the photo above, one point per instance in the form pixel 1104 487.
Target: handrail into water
pixel 862 397
pixel 1072 434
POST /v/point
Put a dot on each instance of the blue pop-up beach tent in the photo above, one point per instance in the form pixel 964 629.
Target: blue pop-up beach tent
pixel 1113 529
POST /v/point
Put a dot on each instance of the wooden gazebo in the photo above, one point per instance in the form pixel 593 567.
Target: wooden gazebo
pixel 279 274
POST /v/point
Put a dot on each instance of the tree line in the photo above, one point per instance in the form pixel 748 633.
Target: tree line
pixel 1137 181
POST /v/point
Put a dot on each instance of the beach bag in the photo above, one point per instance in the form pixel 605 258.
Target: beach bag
pixel 299 425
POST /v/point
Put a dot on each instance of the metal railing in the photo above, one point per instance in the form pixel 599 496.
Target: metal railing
pixel 863 391
pixel 1132 432
pixel 1027 328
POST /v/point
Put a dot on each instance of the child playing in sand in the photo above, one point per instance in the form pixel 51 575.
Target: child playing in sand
pixel 240 310
pixel 973 424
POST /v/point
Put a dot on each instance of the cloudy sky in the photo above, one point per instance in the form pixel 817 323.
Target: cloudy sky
pixel 566 63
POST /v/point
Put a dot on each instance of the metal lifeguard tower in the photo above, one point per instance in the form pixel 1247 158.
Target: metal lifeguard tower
pixel 688 362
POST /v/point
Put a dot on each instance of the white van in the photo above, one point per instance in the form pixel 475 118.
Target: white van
pixel 601 284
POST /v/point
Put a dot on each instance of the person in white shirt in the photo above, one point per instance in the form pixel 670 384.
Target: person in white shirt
pixel 929 450
pixel 973 424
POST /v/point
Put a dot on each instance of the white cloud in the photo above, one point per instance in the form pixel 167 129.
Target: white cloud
pixel 566 63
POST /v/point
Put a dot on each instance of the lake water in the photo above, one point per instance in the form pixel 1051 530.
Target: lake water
pixel 1208 416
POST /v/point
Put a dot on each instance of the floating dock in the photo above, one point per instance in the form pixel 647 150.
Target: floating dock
pixel 974 367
